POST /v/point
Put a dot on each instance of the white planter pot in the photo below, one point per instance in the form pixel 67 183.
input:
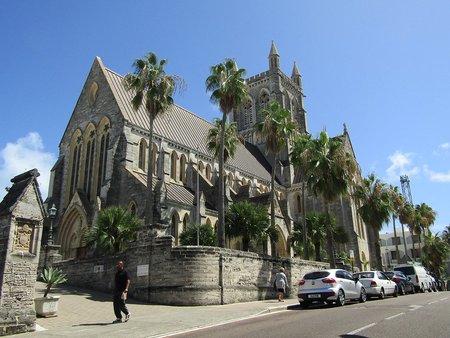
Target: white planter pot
pixel 46 306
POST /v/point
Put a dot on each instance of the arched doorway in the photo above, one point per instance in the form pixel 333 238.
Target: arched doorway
pixel 281 245
pixel 71 233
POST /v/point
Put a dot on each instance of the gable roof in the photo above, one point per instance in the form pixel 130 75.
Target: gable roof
pixel 183 127
pixel 15 193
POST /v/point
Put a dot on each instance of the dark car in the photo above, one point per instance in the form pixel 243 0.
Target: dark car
pixel 404 284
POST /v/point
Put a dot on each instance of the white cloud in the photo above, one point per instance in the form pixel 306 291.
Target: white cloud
pixel 445 145
pixel 401 164
pixel 435 176
pixel 25 154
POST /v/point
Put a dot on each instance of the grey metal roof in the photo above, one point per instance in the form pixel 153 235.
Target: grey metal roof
pixel 175 192
pixel 183 127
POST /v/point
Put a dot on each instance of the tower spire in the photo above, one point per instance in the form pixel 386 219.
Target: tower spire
pixel 274 57
pixel 296 77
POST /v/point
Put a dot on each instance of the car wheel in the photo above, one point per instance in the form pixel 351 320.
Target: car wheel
pixel 340 300
pixel 381 295
pixel 363 296
pixel 402 290
pixel 395 292
pixel 304 305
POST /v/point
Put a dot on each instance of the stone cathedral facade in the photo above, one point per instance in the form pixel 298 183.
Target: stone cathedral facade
pixel 102 162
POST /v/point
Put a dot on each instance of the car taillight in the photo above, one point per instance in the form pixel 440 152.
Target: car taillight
pixel 329 281
pixel 302 282
pixel 395 279
pixel 373 283
pixel 417 279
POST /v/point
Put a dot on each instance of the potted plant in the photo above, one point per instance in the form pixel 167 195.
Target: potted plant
pixel 47 306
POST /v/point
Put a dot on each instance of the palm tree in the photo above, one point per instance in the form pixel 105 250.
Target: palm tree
pixel 114 229
pixel 317 231
pixel 299 158
pixel 152 88
pixel 425 217
pixel 232 138
pixel 248 221
pixel 329 173
pixel 206 234
pixel 397 203
pixel 446 234
pixel 406 216
pixel 276 129
pixel 435 252
pixel 375 208
pixel 228 90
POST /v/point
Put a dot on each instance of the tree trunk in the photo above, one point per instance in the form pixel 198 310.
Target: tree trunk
pixel 317 251
pixel 149 189
pixel 330 240
pixel 305 234
pixel 395 236
pixel 221 202
pixel 272 192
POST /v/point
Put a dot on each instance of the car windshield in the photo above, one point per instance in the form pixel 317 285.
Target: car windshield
pixel 317 275
pixel 407 270
pixel 365 275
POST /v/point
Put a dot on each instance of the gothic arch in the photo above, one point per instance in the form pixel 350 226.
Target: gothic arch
pixel 208 172
pixel 186 222
pixel 174 221
pixel 88 160
pixel 132 207
pixel 71 232
pixel 154 157
pixel 173 165
pixel 103 132
pixel 183 168
pixel 201 167
pixel 281 245
pixel 74 162
pixel 142 161
pixel 263 101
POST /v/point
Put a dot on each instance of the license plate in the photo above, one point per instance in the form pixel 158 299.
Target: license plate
pixel 314 296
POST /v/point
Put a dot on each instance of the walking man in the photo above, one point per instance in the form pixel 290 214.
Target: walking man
pixel 121 285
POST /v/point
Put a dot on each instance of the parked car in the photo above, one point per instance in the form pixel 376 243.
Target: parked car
pixel 432 286
pixel 330 286
pixel 404 284
pixel 417 274
pixel 377 284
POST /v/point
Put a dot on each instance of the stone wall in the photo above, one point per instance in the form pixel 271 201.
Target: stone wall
pixel 190 275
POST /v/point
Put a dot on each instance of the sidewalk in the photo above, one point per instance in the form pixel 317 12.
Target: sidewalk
pixel 86 313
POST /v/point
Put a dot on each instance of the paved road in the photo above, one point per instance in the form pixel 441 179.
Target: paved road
pixel 420 315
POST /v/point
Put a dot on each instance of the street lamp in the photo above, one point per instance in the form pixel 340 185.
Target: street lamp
pixel 51 213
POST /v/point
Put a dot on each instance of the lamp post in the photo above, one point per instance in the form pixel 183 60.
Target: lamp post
pixel 51 213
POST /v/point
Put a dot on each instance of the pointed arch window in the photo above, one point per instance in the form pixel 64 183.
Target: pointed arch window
pixel 185 222
pixel 201 167
pixel 299 204
pixel 208 172
pixel 183 168
pixel 103 158
pixel 142 154
pixel 76 154
pixel 89 165
pixel 230 180
pixel 264 99
pixel 173 166
pixel 154 162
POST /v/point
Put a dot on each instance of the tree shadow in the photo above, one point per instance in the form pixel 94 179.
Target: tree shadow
pixel 93 324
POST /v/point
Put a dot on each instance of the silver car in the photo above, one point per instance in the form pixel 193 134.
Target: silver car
pixel 330 286
pixel 377 284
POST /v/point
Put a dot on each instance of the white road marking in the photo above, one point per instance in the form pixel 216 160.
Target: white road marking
pixel 445 298
pixel 361 329
pixel 432 302
pixel 40 328
pixel 415 307
pixel 395 316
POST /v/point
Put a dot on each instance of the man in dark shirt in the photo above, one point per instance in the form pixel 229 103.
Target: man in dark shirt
pixel 121 285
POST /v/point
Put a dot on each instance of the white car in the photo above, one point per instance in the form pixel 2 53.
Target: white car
pixel 329 286
pixel 417 274
pixel 377 284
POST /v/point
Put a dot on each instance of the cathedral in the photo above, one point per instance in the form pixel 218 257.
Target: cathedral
pixel 103 161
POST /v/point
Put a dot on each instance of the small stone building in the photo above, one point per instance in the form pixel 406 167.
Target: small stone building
pixel 21 222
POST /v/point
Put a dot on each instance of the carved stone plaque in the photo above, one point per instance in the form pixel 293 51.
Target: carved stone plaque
pixel 23 237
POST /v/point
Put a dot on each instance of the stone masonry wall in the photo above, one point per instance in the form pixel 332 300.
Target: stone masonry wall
pixel 190 275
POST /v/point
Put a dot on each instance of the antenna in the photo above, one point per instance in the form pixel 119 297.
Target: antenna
pixel 406 189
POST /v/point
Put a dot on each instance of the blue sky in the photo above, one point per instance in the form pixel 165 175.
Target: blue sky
pixel 381 67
